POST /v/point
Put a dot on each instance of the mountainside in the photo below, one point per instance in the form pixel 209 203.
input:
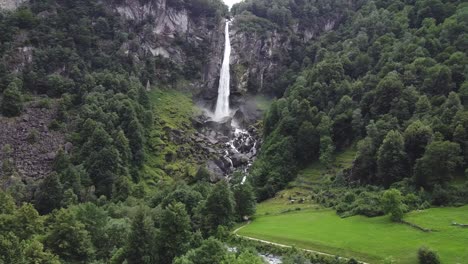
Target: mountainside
pixel 110 152
pixel 269 43
pixel 391 78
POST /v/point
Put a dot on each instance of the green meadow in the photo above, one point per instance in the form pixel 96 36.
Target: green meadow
pixel 291 218
pixel 368 239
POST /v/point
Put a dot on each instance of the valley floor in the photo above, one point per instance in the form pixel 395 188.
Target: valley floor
pixel 293 219
pixel 368 239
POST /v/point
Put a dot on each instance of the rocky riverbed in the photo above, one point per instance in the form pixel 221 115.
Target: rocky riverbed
pixel 232 147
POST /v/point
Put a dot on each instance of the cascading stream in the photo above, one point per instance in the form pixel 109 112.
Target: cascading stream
pixel 222 105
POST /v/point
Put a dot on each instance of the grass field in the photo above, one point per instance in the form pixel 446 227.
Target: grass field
pixel 291 218
pixel 299 190
pixel 368 239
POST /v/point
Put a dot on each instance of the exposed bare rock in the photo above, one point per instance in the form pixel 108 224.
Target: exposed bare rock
pixel 11 4
pixel 28 144
pixel 163 27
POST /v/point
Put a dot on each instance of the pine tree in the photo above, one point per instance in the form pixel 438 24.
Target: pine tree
pixel 140 248
pixel 244 197
pixel 219 207
pixel 175 232
pixel 50 194
pixel 69 239
pixel 12 102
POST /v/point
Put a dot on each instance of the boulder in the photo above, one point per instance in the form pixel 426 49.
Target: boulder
pixel 216 173
pixel 223 127
pixel 239 118
pixel 239 160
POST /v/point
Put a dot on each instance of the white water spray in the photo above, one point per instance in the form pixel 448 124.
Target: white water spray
pixel 222 105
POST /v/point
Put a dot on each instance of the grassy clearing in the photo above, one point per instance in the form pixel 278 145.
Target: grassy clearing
pixel 368 239
pixel 283 202
pixel 317 173
pixel 297 196
pixel 172 110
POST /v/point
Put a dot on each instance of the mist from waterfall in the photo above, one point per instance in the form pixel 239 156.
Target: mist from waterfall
pixel 222 104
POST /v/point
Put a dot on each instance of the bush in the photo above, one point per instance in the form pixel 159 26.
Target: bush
pixel 427 256
pixel 33 136
pixel 12 102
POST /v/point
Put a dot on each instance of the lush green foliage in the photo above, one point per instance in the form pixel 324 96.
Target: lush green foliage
pixel 12 100
pixel 392 203
pixel 426 256
pixel 391 77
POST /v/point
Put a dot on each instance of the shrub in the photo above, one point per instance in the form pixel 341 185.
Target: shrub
pixel 33 136
pixel 12 102
pixel 427 256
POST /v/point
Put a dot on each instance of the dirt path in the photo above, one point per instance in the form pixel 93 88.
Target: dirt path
pixel 287 246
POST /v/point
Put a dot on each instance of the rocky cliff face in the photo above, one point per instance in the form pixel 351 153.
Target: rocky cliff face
pixel 163 30
pixel 258 58
pixel 10 4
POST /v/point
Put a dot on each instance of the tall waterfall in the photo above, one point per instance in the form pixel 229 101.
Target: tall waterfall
pixel 222 105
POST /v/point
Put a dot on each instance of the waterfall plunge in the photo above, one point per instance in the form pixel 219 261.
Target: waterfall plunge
pixel 222 105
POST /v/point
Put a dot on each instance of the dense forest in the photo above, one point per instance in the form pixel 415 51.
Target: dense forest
pixel 94 207
pixel 389 78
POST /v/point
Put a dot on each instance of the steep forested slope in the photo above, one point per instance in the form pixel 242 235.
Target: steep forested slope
pixel 391 77
pixel 74 77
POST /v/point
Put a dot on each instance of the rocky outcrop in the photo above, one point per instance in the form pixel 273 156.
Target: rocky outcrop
pixel 260 57
pixel 11 4
pixel 27 145
pixel 169 32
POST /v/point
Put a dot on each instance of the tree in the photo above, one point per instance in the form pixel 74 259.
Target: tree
pixel 68 238
pixel 95 220
pixel 27 222
pixel 326 151
pixel 140 247
pixel 423 105
pixel 11 248
pixel 244 198
pixel 392 203
pixel 12 102
pixel 387 90
pixel 438 163
pixel 211 251
pixel 326 143
pixel 391 159
pixel 417 136
pixel 174 232
pixel 219 207
pixel 50 194
pixel 427 256
pixel 34 253
pixel 309 141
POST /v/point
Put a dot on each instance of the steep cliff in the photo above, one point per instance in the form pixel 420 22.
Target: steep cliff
pixel 266 48
pixel 191 41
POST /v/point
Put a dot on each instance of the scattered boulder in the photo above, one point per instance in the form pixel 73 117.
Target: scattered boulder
pixel 216 173
pixel 239 159
pixel 223 127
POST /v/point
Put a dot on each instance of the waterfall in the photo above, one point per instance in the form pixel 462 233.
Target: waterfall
pixel 222 105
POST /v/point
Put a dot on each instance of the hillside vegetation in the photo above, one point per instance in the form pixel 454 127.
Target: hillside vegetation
pixel 391 77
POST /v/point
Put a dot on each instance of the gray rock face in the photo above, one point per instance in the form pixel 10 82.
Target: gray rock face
pixel 165 26
pixel 27 143
pixel 11 4
pixel 256 56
